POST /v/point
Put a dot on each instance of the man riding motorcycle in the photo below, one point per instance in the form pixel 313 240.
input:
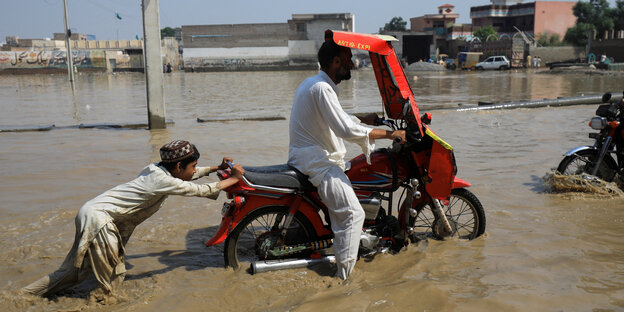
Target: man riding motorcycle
pixel 318 126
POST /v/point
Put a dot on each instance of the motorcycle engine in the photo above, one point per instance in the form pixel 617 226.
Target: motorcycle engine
pixel 368 241
pixel 380 230
pixel 381 235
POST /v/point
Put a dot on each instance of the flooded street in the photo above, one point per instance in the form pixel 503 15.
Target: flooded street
pixel 541 251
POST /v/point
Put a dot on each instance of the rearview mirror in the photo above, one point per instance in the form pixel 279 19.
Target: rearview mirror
pixel 606 97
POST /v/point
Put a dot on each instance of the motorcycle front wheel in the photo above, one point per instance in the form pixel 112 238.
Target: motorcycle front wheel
pixel 583 162
pixel 248 241
pixel 464 213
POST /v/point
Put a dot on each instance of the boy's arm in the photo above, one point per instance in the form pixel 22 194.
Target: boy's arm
pixel 204 171
pixel 201 172
pixel 168 185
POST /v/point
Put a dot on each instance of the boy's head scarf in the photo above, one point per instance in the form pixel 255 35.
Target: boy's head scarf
pixel 175 151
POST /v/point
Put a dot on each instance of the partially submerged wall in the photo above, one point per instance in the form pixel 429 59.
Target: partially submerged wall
pixel 245 47
pixel 558 54
pixel 50 60
pixel 268 46
pixel 56 61
pixel 237 58
pixel 170 52
pixel 303 53
pixel 235 47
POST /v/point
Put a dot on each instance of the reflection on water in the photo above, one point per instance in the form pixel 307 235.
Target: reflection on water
pixel 120 98
pixel 541 251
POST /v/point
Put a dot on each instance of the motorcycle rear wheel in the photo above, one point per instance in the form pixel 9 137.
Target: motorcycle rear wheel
pixel 464 212
pixel 241 246
pixel 583 162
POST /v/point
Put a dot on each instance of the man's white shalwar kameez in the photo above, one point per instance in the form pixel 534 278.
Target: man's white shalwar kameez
pixel 105 223
pixel 318 125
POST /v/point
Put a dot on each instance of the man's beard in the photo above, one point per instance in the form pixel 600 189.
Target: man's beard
pixel 344 75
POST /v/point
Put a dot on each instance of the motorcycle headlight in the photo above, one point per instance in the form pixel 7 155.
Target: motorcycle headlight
pixel 598 123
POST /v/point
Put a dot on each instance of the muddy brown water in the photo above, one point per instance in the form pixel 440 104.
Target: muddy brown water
pixel 541 251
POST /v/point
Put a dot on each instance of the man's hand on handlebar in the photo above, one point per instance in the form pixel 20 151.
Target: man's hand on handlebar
pixel 398 136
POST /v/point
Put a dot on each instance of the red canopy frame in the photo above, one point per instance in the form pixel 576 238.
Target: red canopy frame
pixel 391 78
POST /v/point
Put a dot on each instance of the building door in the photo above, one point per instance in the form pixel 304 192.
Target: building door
pixel 112 64
pixel 416 47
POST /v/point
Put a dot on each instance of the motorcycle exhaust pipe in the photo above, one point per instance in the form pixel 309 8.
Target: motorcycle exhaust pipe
pixel 274 265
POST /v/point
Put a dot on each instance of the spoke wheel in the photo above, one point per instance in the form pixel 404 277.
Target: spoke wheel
pixel 260 230
pixel 464 213
pixel 583 162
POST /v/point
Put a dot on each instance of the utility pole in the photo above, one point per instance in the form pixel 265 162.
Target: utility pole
pixel 70 61
pixel 153 65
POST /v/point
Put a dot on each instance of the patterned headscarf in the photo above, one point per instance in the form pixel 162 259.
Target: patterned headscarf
pixel 175 151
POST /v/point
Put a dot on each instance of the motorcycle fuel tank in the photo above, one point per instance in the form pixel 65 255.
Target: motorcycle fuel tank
pixel 383 174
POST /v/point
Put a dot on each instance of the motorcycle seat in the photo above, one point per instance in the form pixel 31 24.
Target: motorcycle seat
pixel 283 176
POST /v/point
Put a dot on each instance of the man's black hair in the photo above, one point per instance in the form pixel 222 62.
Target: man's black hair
pixel 326 53
pixel 170 166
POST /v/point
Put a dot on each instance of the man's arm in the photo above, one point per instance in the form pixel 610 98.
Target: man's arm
pixel 344 127
pixel 371 119
pixel 387 134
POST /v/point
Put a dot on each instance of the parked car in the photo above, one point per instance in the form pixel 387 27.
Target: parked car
pixel 494 62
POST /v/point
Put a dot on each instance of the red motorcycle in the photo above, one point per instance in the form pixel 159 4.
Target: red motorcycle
pixel 605 158
pixel 409 191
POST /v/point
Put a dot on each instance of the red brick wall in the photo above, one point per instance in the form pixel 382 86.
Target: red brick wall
pixel 418 23
pixel 554 17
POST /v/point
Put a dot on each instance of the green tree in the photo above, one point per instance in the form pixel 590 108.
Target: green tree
pixel 484 32
pixel 596 13
pixel 396 24
pixel 578 34
pixel 617 14
pixel 167 32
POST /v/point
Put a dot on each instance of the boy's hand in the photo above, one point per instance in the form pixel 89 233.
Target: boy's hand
pixel 238 171
pixel 224 164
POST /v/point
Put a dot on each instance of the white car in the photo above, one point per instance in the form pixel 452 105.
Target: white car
pixel 493 62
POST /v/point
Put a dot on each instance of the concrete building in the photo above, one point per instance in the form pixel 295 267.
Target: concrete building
pixel 460 31
pixel 435 22
pixel 47 55
pixel 429 35
pixel 74 36
pixel 267 46
pixel 539 17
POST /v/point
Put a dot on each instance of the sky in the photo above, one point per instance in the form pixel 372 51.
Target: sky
pixel 30 19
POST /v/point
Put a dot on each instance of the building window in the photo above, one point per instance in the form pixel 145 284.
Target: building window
pixel 301 27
